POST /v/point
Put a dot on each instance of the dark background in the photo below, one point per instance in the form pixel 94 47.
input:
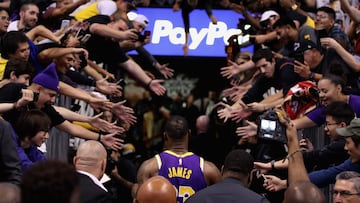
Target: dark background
pixel 206 69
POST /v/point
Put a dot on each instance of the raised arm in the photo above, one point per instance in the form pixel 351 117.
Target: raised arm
pixel 343 53
pixel 296 167
pixel 136 72
pixel 106 31
pixel 352 11
pixel 109 140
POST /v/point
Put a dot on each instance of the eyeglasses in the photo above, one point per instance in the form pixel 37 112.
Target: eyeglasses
pixel 321 16
pixel 4 17
pixel 344 193
pixel 328 124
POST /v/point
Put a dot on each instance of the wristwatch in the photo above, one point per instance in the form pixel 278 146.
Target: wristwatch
pixel 311 76
pixel 272 164
pixel 294 7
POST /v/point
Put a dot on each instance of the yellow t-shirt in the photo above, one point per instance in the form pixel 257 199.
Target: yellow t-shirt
pixel 103 7
pixel 87 12
pixel 2 67
pixel 310 22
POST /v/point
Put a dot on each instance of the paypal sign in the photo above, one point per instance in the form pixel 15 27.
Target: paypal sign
pixel 206 39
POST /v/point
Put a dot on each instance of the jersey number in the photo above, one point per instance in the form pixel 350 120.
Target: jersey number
pixel 185 192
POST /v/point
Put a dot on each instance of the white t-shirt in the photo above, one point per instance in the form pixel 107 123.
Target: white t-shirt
pixel 13 26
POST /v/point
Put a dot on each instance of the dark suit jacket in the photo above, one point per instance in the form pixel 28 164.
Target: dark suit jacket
pixel 10 170
pixel 92 193
pixel 228 190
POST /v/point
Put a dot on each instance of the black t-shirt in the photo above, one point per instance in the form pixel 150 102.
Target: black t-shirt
pixel 103 49
pixel 284 78
pixel 11 93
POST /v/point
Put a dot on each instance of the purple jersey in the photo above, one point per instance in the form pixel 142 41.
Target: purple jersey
pixel 184 171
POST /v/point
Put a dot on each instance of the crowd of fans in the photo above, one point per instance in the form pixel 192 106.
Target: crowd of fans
pixel 64 71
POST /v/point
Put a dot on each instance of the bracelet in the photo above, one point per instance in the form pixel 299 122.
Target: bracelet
pixel 291 154
pixel 14 105
pixel 99 138
pixel 149 83
pixel 272 164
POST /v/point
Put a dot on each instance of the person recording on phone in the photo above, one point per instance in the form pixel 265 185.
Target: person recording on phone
pixel 317 62
pixel 140 22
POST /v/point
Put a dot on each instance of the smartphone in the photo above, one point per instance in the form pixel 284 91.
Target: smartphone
pixel 300 135
pixel 121 82
pixel 65 24
pixel 299 57
pixel 85 38
pixel 260 175
pixel 147 33
pixel 79 33
pixel 35 96
pixel 322 33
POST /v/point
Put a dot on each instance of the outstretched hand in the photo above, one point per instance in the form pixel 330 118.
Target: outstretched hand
pixel 248 130
pixel 166 71
pixel 157 87
pixel 108 88
pixel 112 142
pixel 123 113
pixel 229 71
pixel 262 167
pixel 105 126
pixel 273 183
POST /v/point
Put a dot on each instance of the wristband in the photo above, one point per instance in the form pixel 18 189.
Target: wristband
pixel 272 164
pixel 99 138
pixel 291 154
pixel 149 83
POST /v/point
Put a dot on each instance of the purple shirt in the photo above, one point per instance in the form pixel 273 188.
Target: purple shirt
pixel 184 171
pixel 318 117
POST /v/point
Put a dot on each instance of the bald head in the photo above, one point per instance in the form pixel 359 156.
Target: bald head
pixel 202 124
pixel 90 157
pixel 157 189
pixel 9 193
pixel 303 192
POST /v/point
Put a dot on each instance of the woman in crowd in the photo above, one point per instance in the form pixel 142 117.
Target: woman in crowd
pixel 330 89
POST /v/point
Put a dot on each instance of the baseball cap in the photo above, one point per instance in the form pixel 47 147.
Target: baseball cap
pixel 350 130
pixel 267 14
pixel 306 45
pixel 141 19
